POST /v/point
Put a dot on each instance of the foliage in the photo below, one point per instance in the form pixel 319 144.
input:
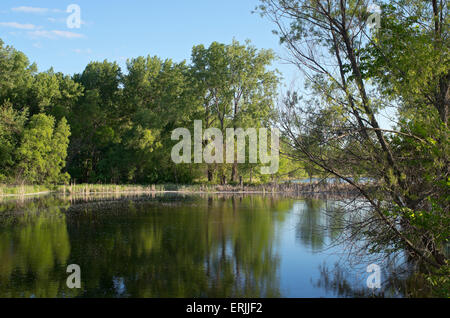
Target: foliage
pixel 353 73
pixel 236 90
pixel 121 122
pixel 11 127
pixel 440 282
pixel 42 153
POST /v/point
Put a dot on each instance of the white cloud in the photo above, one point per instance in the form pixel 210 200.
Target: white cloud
pixel 64 21
pixel 54 34
pixel 16 25
pixel 55 20
pixel 83 51
pixel 30 9
pixel 67 34
pixel 37 34
pixel 35 10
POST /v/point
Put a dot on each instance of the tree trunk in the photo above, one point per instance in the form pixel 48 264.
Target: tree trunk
pixel 234 172
pixel 210 174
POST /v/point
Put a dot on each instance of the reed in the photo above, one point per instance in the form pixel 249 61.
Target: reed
pixel 86 189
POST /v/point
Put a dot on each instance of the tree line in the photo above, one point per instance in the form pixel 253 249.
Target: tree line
pixel 107 125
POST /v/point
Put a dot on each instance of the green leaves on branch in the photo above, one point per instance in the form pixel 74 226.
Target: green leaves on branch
pixel 43 151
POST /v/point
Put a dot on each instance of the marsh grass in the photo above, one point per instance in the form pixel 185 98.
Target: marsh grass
pixel 23 189
pixel 314 187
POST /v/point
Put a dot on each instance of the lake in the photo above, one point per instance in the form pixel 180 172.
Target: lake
pixel 173 245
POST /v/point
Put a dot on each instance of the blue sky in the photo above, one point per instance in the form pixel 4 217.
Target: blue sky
pixel 117 30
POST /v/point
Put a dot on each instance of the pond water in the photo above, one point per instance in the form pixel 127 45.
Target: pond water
pixel 175 246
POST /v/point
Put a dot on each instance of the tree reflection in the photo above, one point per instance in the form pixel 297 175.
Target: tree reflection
pixel 219 246
pixel 311 226
pixel 319 222
pixel 397 281
pixel 34 247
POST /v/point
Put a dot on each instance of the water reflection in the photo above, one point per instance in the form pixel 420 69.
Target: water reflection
pixel 319 222
pixel 351 282
pixel 312 224
pixel 33 247
pixel 173 246
pixel 218 247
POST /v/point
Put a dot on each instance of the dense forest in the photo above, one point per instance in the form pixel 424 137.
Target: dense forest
pixel 107 125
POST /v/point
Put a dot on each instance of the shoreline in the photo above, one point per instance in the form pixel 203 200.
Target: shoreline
pixel 91 189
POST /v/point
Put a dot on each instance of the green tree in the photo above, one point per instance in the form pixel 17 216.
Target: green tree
pixel 352 74
pixel 16 76
pixel 42 153
pixel 236 88
pixel 57 157
pixel 12 123
pixel 54 94
pixel 159 99
pixel 210 73
pixel 95 120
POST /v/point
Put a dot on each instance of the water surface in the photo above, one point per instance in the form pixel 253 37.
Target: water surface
pixel 173 246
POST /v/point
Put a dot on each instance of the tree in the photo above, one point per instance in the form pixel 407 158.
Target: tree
pixel 96 120
pixel 253 88
pixel 236 89
pixel 16 76
pixel 159 99
pixel 352 74
pixel 12 123
pixel 42 153
pixel 24 93
pixel 210 73
pixel 56 161
pixel 54 94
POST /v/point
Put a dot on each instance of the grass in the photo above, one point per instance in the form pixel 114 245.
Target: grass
pixel 23 189
pixel 17 190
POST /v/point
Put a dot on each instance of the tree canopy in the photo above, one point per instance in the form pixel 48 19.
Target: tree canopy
pixel 353 72
pixel 108 125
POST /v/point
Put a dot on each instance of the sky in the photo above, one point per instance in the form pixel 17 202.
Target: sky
pixel 118 30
